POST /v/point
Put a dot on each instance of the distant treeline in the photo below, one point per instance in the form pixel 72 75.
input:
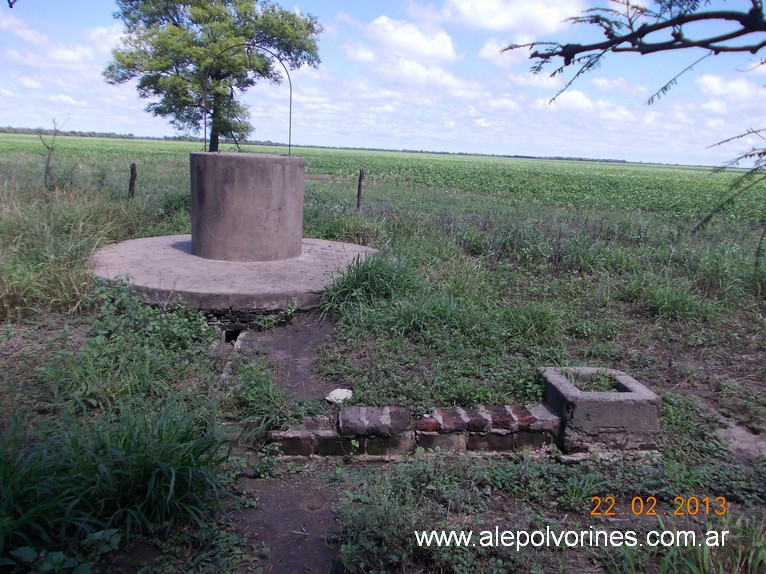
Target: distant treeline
pixel 188 138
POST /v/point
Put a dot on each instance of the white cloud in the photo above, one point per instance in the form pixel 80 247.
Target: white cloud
pixel 19 28
pixel 715 106
pixel 485 123
pixel 65 99
pixel 610 112
pixel 715 123
pixel 503 104
pixel 530 17
pixel 542 81
pixel 29 83
pixel 406 39
pixel 428 78
pixel 105 38
pixel 571 100
pixel 738 89
pixel 70 57
pixel 359 53
pixel 608 84
pixel 492 51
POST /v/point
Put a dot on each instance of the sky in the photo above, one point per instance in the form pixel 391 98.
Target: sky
pixel 409 74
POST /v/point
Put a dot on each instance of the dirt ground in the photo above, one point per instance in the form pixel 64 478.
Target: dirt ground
pixel 294 522
pixel 293 527
pixel 293 347
pixel 294 517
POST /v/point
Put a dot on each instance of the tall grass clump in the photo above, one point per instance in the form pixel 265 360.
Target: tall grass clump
pixel 366 281
pixel 46 242
pixel 139 468
pixel 381 513
pixel 667 298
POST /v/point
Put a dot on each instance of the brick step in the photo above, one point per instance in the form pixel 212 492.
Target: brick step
pixel 625 416
pixel 387 431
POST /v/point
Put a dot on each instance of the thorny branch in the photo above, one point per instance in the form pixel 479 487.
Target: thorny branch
pixel 643 30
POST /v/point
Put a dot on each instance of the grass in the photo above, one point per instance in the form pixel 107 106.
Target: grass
pixel 488 269
pixel 435 491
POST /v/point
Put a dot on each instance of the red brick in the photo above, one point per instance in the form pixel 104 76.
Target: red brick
pixel 353 421
pixel 532 439
pixel 476 422
pixel 477 442
pixel 390 445
pixel 328 443
pixel 428 424
pixel 501 442
pixel 454 442
pixel 400 420
pixel 523 417
pixel 545 418
pixel 502 418
pixel 452 421
pixel 292 443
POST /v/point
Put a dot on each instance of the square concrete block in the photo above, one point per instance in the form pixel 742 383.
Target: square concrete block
pixel 626 417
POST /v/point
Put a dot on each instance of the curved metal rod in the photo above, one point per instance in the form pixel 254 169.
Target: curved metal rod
pixel 249 46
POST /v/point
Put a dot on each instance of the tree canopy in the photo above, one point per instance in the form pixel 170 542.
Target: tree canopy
pixel 194 58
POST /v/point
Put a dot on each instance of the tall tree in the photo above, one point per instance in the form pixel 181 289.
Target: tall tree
pixel 194 58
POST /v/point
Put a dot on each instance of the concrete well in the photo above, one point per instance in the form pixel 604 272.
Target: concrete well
pixel 626 418
pixel 246 207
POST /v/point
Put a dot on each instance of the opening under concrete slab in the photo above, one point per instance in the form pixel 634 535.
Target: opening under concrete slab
pixel 165 270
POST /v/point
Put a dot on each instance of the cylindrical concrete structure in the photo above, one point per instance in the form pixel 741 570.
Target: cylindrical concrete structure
pixel 246 207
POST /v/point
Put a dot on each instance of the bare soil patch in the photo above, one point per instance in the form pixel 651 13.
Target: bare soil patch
pixel 295 523
pixel 294 348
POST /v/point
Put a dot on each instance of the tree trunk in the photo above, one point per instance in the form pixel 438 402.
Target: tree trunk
pixel 214 130
pixel 213 138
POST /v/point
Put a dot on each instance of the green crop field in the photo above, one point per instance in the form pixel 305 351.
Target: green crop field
pixel 489 268
pixel 670 191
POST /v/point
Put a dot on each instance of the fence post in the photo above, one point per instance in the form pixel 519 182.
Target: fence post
pixel 132 184
pixel 359 192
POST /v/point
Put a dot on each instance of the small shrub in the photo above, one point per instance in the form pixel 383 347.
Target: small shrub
pixel 379 516
pixel 134 350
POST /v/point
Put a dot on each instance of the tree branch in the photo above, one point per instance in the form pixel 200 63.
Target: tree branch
pixel 624 34
pixel 11 3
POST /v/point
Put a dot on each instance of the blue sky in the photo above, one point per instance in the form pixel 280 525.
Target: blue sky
pixel 409 74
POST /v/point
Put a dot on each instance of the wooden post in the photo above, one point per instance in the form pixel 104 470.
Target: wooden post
pixel 359 192
pixel 132 184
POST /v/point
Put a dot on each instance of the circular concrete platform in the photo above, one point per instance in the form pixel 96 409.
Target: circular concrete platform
pixel 164 269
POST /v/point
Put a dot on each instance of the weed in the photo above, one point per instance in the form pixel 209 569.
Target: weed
pixel 260 399
pixel 134 350
pixel 667 299
pixel 279 318
pixel 743 405
pixel 743 552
